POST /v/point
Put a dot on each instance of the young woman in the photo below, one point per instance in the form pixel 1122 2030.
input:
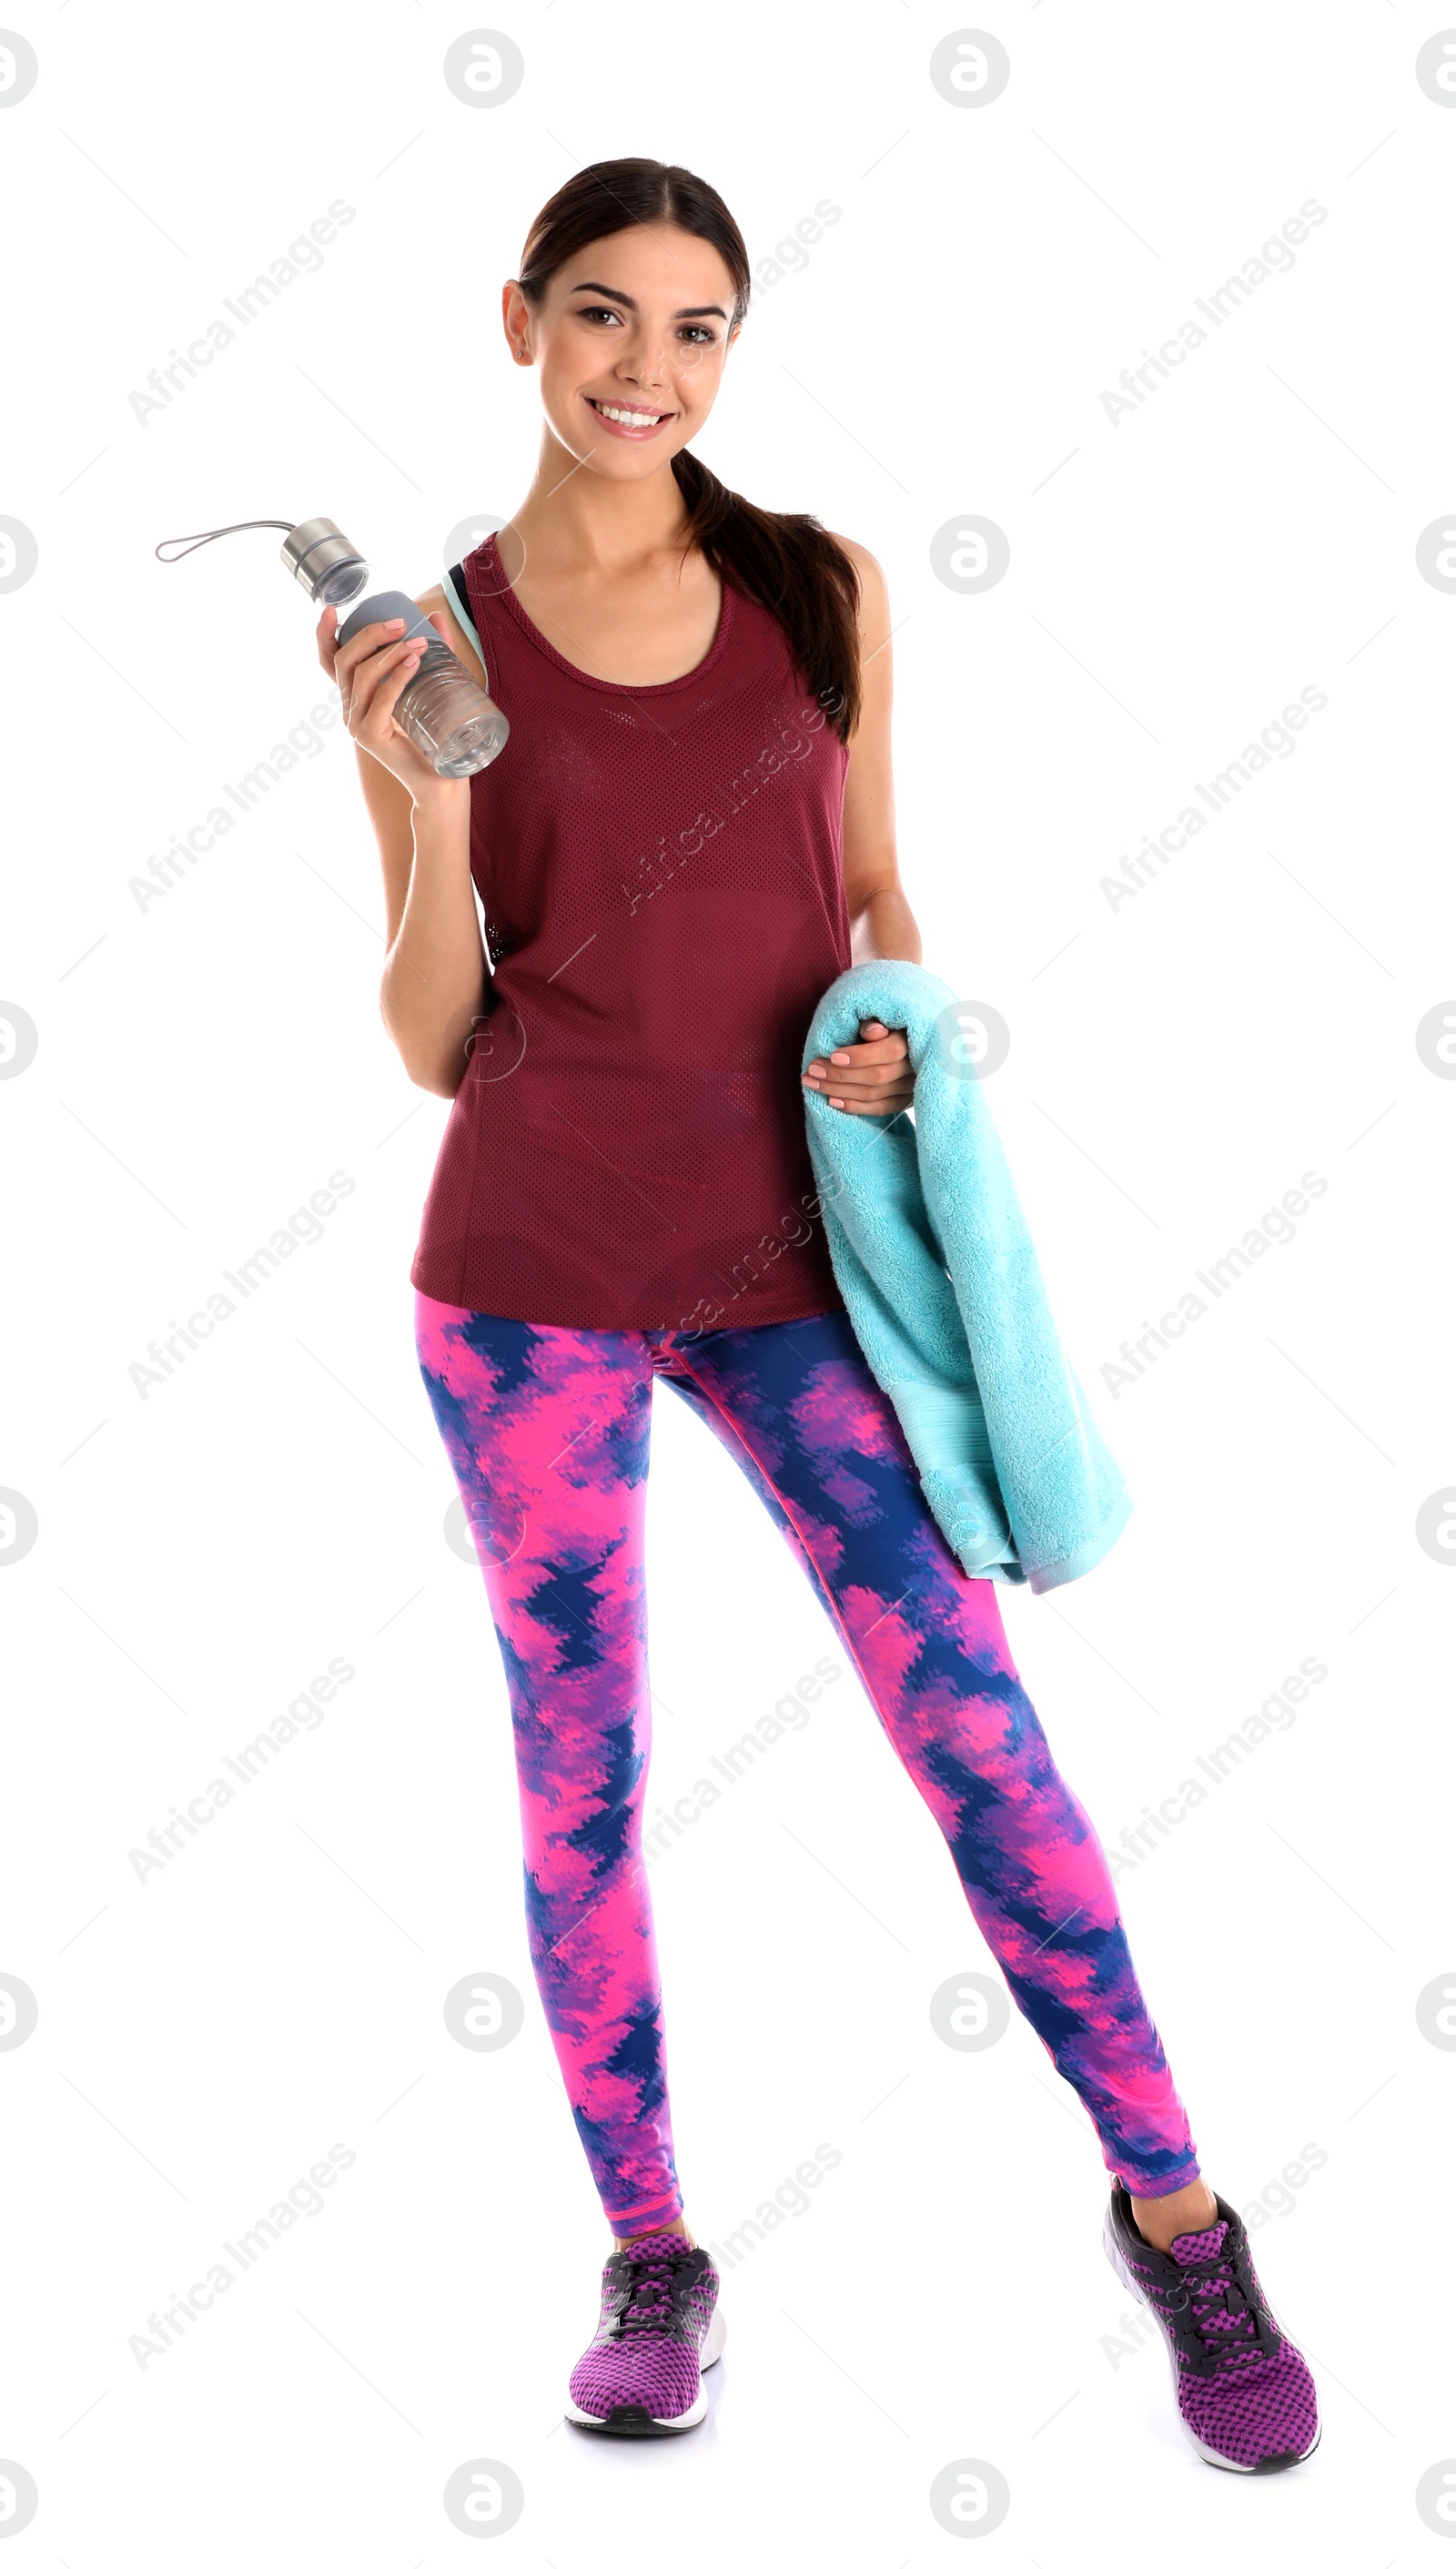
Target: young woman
pixel 688 837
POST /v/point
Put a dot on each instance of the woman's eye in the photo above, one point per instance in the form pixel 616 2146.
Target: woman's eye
pixel 695 332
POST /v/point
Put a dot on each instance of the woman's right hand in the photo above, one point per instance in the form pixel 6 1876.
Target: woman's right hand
pixel 371 673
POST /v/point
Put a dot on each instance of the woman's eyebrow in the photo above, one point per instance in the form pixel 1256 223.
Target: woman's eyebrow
pixel 689 311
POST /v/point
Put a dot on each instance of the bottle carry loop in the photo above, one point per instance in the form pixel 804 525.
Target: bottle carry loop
pixel 441 709
pixel 189 544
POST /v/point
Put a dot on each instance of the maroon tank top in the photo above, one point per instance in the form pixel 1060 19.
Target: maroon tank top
pixel 660 870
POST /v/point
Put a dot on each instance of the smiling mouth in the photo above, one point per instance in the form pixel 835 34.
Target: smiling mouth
pixel 625 416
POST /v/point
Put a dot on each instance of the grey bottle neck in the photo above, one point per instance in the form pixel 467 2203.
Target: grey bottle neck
pixel 377 607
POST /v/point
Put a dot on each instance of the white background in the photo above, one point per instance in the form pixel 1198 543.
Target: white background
pixel 206 1062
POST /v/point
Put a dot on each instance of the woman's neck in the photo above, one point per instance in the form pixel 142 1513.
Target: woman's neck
pixel 572 518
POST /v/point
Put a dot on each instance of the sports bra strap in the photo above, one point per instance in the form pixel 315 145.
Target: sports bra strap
pixel 457 597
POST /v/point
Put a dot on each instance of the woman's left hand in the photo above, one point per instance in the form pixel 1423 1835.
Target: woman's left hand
pixel 872 1077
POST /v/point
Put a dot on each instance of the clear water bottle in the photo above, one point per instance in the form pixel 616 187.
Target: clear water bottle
pixel 444 710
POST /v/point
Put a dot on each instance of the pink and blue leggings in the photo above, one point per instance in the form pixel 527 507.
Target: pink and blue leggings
pixel 548 1433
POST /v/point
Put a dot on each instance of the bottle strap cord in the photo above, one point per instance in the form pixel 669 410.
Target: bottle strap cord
pixel 189 544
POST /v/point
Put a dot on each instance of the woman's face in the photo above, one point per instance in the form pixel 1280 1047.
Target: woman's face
pixel 630 343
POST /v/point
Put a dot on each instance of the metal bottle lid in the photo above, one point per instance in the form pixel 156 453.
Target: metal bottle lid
pixel 322 561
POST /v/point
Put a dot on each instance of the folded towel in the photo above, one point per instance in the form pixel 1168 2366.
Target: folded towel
pixel 933 1256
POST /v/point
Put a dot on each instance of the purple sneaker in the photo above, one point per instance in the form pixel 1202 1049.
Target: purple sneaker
pixel 660 2329
pixel 1244 2393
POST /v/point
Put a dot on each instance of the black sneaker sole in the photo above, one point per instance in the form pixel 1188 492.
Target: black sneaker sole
pixel 633 2419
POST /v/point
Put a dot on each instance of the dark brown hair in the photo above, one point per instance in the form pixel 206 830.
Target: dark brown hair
pixel 787 563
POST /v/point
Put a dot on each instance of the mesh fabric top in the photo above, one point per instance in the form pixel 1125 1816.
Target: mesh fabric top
pixel 660 870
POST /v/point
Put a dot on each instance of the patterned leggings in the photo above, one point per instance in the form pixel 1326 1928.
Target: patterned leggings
pixel 547 1430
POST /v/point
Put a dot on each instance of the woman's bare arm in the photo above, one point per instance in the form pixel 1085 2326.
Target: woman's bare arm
pixel 873 1077
pixel 434 977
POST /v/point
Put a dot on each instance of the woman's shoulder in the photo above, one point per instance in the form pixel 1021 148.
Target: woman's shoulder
pixel 873 609
pixel 860 554
pixel 873 589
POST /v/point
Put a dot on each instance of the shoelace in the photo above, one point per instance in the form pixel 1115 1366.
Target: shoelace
pixel 648 2306
pixel 1218 2316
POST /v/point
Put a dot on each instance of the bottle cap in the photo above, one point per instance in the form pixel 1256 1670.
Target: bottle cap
pixel 323 562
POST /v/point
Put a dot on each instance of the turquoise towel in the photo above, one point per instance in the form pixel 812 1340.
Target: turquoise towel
pixel 933 1256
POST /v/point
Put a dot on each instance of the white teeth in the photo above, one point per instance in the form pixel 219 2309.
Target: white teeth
pixel 630 418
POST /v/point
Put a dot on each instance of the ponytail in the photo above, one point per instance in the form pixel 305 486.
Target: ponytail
pixel 791 567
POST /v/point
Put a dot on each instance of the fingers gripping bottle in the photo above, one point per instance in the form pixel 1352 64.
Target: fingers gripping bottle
pixel 444 710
